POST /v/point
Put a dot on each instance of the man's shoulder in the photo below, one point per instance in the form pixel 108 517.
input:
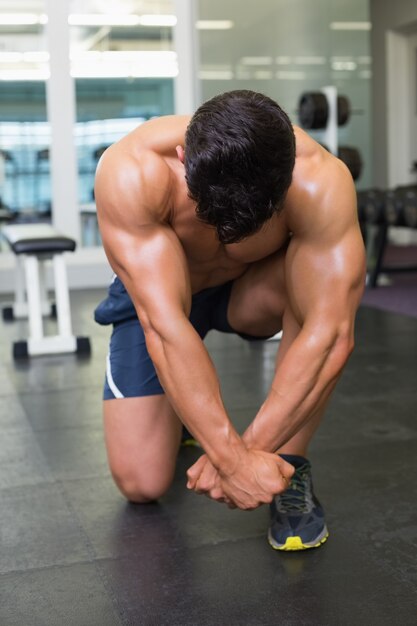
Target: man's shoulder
pixel 159 135
pixel 133 185
pixel 322 192
pixel 133 157
pixel 146 155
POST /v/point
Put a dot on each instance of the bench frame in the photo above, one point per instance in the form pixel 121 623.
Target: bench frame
pixel 31 299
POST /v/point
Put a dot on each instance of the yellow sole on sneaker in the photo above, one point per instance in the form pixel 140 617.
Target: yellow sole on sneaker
pixel 295 543
pixel 187 443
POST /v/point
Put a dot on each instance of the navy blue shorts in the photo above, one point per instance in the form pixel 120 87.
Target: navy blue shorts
pixel 130 372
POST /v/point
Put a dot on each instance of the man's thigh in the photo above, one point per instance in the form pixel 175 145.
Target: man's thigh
pixel 258 297
pixel 142 431
pixel 142 439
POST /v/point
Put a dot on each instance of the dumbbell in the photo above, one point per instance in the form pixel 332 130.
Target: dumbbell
pixel 374 206
pixel 351 157
pixel 313 110
pixel 361 197
pixel 410 207
pixel 401 206
pixel 394 208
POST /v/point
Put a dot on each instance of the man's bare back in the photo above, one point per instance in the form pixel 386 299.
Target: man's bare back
pixel 293 255
pixel 151 151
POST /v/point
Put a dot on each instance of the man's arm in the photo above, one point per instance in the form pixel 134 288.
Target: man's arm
pixel 325 277
pixel 148 257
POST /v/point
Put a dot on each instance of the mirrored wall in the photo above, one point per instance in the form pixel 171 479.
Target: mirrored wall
pixel 123 65
pixel 286 47
pixel 24 131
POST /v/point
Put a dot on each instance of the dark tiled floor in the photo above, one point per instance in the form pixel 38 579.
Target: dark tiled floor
pixel 74 552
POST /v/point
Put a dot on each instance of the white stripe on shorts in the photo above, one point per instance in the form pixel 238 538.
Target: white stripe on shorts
pixel 115 390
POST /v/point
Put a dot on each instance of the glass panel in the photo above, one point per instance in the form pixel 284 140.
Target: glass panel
pixel 286 48
pixel 24 130
pixel 123 62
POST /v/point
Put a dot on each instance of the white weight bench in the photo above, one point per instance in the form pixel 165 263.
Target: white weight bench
pixel 33 245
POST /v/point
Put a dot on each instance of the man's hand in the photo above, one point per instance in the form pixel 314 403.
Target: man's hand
pixel 204 479
pixel 255 479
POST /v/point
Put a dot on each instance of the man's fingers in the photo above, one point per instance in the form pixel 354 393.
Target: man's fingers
pixel 287 470
pixel 286 481
pixel 217 494
pixel 206 483
pixel 202 476
pixel 191 478
pixel 195 471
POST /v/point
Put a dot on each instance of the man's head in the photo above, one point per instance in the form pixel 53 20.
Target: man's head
pixel 239 158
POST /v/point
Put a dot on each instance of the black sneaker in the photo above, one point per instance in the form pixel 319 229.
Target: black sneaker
pixel 297 516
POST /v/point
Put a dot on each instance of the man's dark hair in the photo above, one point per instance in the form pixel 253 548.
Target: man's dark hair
pixel 239 159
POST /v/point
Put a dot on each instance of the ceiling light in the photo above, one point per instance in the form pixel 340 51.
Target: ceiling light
pixel 24 75
pixel 91 19
pixel 38 56
pixel 21 19
pixel 155 71
pixel 85 55
pixel 263 75
pixel 138 55
pixel 348 66
pixel 289 75
pixel 256 60
pixel 85 70
pixel 283 60
pixel 10 57
pixel 215 75
pixel 158 20
pixel 310 60
pixel 102 19
pixel 350 26
pixel 125 64
pixel 214 24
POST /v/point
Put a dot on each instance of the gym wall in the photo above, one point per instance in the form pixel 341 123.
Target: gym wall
pixel 399 16
pixel 289 47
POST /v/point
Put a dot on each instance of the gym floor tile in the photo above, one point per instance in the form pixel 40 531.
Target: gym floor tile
pixel 58 372
pixel 74 452
pixel 115 528
pixel 7 387
pixel 73 594
pixel 381 419
pixel 245 582
pixel 73 551
pixel 38 529
pixel 66 408
pixel 12 414
pixel 21 460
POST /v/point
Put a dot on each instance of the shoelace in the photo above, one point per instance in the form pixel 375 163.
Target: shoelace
pixel 294 498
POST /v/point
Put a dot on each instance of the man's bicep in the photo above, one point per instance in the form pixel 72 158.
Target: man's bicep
pixel 325 279
pixel 152 266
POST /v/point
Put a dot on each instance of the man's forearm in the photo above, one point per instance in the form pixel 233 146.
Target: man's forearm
pixel 301 387
pixel 190 381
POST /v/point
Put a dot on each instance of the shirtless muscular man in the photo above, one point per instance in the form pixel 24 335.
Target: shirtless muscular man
pixel 235 220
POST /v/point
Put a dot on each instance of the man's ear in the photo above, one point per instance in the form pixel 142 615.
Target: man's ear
pixel 180 153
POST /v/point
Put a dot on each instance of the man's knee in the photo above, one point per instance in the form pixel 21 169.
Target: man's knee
pixel 141 487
